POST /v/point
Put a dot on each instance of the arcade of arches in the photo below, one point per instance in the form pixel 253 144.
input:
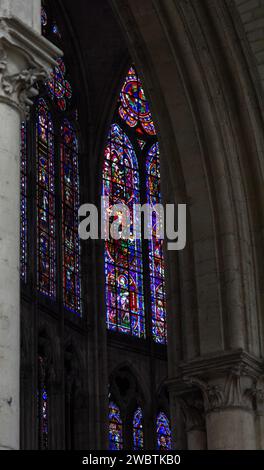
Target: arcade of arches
pixel 100 350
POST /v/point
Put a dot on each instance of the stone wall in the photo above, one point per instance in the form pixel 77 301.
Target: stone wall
pixel 252 15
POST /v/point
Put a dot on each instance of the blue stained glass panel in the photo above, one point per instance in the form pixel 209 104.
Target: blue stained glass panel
pixel 163 432
pixel 115 428
pixel 138 435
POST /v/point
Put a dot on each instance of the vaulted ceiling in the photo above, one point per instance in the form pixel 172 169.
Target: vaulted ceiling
pixel 101 48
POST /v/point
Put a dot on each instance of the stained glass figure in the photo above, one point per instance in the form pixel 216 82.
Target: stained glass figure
pixel 156 255
pixel 23 208
pixel 46 225
pixel 123 258
pixel 70 207
pixel 43 421
pixel 115 428
pixel 138 436
pixel 134 108
pixel 163 432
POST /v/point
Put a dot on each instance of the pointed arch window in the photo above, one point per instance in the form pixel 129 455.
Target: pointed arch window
pixel 134 270
pixel 156 257
pixel 138 434
pixel 46 212
pixel 51 139
pixel 123 258
pixel 115 427
pixel 70 206
pixel 163 432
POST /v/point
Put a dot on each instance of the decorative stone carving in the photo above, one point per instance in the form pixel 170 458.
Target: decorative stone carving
pixel 232 391
pixel 192 408
pixel 25 58
pixel 213 395
pixel 256 394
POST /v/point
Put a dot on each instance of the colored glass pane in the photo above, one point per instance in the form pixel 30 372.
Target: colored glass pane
pixel 70 207
pixel 56 31
pixel 134 108
pixel 138 437
pixel 163 432
pixel 156 255
pixel 59 87
pixel 123 257
pixel 121 182
pixel 115 428
pixel 46 230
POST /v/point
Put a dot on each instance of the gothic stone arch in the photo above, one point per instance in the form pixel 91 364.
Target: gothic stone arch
pixel 191 55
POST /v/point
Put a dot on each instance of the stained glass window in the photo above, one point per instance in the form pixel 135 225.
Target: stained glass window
pixel 70 206
pixel 163 432
pixel 55 145
pixel 46 224
pixel 23 209
pixel 59 87
pixel 123 258
pixel 134 107
pixel 138 436
pixel 156 257
pixel 43 431
pixel 115 428
pixel 131 175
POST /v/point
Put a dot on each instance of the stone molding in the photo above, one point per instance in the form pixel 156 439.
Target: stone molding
pixel 223 361
pixel 25 58
pixel 251 13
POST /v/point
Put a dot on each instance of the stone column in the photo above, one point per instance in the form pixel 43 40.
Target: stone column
pixel 230 415
pixel 260 422
pixel 25 57
pixel 231 429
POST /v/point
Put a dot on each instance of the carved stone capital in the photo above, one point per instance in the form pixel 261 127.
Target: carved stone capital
pixel 229 390
pixel 229 379
pixel 25 58
pixel 256 394
pixel 192 408
pixel 213 395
